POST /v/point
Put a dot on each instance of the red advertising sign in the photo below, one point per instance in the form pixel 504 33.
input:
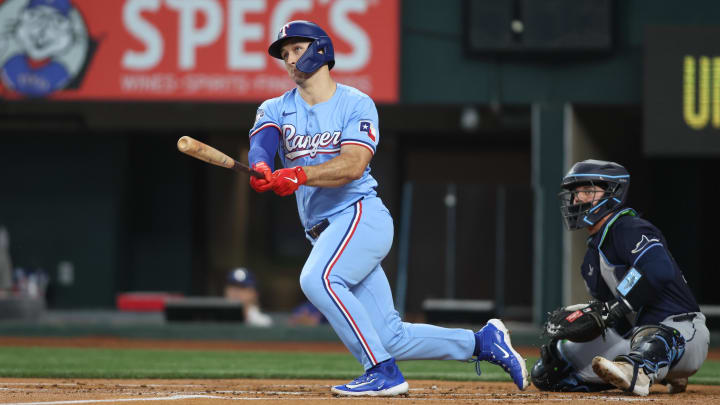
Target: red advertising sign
pixel 212 50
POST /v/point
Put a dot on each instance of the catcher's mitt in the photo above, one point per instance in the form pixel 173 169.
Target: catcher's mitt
pixel 577 323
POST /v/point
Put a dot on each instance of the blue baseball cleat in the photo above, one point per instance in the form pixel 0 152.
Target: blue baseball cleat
pixel 492 344
pixel 382 380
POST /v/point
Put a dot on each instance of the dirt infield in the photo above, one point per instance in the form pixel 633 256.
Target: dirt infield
pixel 219 392
pixel 45 391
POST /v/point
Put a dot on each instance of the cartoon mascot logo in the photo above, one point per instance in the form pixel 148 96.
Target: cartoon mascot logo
pixel 44 46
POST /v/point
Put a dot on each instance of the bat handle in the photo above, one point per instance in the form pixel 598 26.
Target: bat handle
pixel 256 174
pixel 240 167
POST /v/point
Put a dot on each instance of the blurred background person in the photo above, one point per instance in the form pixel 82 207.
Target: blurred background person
pixel 241 286
pixel 5 263
pixel 307 314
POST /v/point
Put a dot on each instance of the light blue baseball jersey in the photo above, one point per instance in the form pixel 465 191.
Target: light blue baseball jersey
pixel 311 135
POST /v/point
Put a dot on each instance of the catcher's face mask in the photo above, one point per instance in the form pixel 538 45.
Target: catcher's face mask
pixel 583 204
pixel 590 191
pixel 577 202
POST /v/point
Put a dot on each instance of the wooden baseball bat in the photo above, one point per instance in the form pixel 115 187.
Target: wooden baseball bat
pixel 207 153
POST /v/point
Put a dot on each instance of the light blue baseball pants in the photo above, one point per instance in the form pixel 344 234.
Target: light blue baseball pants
pixel 343 278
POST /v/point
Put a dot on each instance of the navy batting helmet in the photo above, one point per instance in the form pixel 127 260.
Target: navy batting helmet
pixel 312 59
pixel 610 176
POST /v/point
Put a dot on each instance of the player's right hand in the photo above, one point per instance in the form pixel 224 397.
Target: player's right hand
pixel 286 181
pixel 616 311
pixel 258 184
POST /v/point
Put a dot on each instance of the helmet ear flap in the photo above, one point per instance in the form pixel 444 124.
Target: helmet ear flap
pixel 328 54
pixel 312 59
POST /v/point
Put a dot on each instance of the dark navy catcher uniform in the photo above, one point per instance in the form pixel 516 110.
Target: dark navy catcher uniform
pixel 655 324
pixel 626 243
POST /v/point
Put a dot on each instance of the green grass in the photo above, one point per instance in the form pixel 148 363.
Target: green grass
pixel 142 363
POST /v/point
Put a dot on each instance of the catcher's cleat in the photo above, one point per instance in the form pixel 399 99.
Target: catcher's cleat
pixel 676 385
pixel 622 375
pixel 382 380
pixel 493 345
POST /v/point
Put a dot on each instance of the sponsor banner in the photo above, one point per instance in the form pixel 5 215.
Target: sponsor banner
pixel 682 91
pixel 211 50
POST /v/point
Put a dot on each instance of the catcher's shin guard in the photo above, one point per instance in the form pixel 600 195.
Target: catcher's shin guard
pixel 552 372
pixel 653 347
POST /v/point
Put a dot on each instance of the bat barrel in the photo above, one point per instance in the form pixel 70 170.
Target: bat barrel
pixel 199 150
pixel 183 144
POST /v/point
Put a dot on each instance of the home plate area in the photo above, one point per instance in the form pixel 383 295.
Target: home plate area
pixel 216 392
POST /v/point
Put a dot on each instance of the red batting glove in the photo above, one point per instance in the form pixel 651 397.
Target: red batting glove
pixel 286 181
pixel 258 184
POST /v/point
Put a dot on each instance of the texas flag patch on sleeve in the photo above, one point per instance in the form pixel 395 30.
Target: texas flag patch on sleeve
pixel 369 129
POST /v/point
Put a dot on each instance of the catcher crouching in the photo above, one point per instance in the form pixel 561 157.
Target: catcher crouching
pixel 644 325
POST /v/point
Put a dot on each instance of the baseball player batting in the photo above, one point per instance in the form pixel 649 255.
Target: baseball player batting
pixel 644 326
pixel 326 134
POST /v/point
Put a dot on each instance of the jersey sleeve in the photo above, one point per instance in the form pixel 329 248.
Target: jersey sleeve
pixel 266 117
pixel 642 248
pixel 264 135
pixel 362 127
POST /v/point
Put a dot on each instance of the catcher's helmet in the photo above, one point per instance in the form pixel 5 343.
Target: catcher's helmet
pixel 312 59
pixel 610 176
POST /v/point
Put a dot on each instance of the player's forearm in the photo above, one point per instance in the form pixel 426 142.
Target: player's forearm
pixel 335 172
pixel 263 146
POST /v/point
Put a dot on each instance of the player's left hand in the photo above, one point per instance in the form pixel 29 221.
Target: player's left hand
pixel 577 323
pixel 264 184
pixel 286 181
